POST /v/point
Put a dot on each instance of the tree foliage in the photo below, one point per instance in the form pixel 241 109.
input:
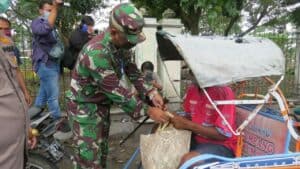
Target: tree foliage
pixel 85 6
pixel 192 11
pixel 295 15
pixel 219 16
pixel 24 11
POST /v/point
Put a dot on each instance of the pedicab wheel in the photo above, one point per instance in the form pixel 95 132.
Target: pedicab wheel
pixel 36 161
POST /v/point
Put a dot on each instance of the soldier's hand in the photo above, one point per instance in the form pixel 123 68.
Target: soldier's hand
pixel 158 115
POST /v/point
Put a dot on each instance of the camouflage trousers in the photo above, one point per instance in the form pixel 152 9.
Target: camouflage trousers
pixel 90 126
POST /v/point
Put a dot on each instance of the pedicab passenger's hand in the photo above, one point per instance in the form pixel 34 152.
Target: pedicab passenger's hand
pixel 158 115
pixel 179 122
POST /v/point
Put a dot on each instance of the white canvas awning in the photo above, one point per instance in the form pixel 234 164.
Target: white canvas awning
pixel 221 60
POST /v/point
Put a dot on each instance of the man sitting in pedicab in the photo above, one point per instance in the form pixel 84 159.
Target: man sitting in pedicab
pixel 210 133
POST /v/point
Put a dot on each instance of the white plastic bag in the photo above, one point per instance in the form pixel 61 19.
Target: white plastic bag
pixel 164 149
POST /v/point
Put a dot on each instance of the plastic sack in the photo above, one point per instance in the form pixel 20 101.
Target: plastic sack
pixel 58 50
pixel 164 149
pixel 4 5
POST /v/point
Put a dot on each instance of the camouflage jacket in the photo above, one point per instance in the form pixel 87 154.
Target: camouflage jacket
pixel 97 74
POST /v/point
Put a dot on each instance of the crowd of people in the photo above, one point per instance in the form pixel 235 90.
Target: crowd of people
pixel 100 63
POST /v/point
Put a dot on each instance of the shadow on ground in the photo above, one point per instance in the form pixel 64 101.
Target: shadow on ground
pixel 118 155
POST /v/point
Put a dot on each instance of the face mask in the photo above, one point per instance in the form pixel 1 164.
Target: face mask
pixel 46 14
pixel 7 33
pixel 84 28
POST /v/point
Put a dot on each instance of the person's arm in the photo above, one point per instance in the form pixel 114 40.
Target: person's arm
pixel 136 78
pixel 156 85
pixel 53 14
pixel 185 124
pixel 214 132
pixel 144 89
pixel 156 82
pixel 32 138
pixel 40 26
pixel 21 82
pixel 109 84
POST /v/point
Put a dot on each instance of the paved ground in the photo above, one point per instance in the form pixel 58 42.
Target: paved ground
pixel 119 155
pixel 121 126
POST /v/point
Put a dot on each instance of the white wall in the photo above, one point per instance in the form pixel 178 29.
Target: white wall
pixel 146 51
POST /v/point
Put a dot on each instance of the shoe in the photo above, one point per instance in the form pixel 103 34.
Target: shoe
pixel 63 130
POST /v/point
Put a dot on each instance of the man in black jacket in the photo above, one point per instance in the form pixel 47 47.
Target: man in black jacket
pixel 80 37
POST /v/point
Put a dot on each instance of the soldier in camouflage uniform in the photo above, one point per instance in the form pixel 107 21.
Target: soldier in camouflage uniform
pixel 96 85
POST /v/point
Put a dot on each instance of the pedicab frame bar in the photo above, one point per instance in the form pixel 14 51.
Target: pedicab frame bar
pixel 221 60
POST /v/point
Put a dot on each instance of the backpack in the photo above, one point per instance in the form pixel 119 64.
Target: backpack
pixel 69 59
pixel 72 52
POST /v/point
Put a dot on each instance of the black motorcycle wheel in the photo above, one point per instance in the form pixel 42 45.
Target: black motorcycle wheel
pixel 36 161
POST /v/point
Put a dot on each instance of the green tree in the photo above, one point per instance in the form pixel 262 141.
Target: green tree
pixel 217 16
pixel 295 15
pixel 191 11
pixel 24 11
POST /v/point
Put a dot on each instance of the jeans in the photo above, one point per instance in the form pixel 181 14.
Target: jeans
pixel 49 88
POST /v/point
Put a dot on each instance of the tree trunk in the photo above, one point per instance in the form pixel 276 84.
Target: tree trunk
pixel 230 25
pixel 191 21
pixel 263 14
pixel 194 28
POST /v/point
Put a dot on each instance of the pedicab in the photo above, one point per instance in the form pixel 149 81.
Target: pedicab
pixel 264 125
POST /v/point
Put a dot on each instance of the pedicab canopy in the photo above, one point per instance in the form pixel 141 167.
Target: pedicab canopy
pixel 223 60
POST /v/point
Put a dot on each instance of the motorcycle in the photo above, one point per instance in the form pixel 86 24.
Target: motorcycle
pixel 49 151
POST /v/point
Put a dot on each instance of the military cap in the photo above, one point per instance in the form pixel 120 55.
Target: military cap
pixel 126 18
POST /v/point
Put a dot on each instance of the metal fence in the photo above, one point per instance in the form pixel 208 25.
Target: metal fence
pixel 32 81
pixel 287 43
